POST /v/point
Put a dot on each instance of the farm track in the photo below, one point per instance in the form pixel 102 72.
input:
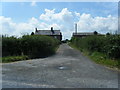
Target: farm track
pixel 68 68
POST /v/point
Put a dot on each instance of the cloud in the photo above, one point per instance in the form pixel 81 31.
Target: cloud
pixel 17 29
pixel 65 16
pixel 87 23
pixel 48 15
pixel 33 3
pixel 8 26
pixel 63 20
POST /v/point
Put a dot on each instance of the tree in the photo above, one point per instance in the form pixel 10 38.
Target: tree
pixel 108 33
pixel 32 33
pixel 95 32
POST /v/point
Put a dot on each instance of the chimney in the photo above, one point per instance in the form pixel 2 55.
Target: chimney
pixel 52 30
pixel 36 30
pixel 76 28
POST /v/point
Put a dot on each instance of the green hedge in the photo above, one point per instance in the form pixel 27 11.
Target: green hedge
pixel 109 45
pixel 38 46
pixel 34 46
pixel 10 46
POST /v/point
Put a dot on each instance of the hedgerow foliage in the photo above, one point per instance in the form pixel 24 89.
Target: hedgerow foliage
pixel 109 45
pixel 34 46
pixel 10 46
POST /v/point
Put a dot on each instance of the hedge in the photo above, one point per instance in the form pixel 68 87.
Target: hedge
pixel 34 46
pixel 109 45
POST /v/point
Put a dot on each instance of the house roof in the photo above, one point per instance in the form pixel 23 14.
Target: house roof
pixel 48 32
pixel 84 33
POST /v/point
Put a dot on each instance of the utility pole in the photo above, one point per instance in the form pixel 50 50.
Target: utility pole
pixel 76 28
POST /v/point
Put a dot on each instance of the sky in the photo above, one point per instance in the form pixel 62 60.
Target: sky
pixel 19 18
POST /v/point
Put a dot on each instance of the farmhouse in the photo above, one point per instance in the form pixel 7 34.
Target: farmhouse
pixel 84 34
pixel 53 33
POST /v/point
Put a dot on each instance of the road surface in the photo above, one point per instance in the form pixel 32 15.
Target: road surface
pixel 68 68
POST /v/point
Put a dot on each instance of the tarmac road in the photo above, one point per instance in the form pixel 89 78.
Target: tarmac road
pixel 68 68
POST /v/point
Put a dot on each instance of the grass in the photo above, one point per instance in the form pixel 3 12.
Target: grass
pixel 13 58
pixel 99 58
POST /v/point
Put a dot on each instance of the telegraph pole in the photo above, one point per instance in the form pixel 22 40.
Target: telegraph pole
pixel 76 28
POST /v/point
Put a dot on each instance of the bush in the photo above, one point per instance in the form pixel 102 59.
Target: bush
pixel 112 46
pixel 37 46
pixel 34 46
pixel 10 46
pixel 109 45
pixel 114 52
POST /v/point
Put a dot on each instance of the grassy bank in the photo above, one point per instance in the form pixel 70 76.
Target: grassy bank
pixel 102 50
pixel 8 59
pixel 32 46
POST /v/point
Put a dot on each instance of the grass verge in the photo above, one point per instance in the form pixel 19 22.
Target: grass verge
pixel 99 58
pixel 13 58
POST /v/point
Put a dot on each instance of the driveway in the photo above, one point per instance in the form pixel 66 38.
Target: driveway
pixel 68 68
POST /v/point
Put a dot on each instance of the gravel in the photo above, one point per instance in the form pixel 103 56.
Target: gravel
pixel 68 68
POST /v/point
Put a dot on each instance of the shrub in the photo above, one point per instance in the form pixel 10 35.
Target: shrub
pixel 34 46
pixel 114 52
pixel 10 46
pixel 109 45
pixel 37 46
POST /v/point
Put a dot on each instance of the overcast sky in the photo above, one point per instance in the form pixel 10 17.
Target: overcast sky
pixel 19 18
